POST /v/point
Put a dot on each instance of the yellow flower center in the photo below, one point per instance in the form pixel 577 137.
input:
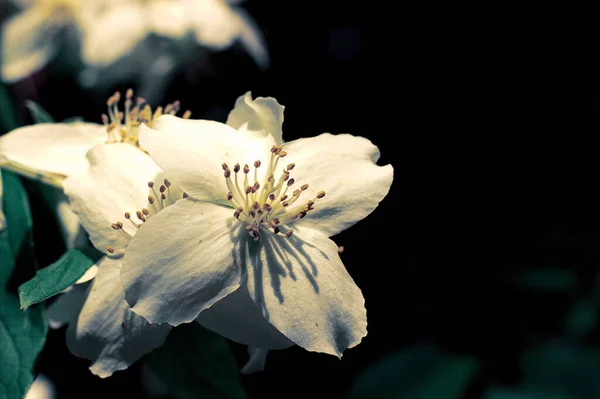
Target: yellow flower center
pixel 268 206
pixel 123 127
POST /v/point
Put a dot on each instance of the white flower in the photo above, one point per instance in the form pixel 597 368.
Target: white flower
pixel 110 29
pixel 250 246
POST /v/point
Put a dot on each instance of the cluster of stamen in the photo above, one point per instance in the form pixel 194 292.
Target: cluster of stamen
pixel 123 127
pixel 269 206
pixel 159 198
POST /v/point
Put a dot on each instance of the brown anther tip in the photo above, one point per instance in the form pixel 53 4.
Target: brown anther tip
pixel 302 214
pixel 304 187
pixel 340 249
pixel 167 183
pixel 256 185
pixel 227 173
pixel 285 204
pixel 140 215
pixel 283 197
pixel 151 199
pixel 117 96
pixel 224 166
pixel 162 189
pixel 286 177
pixel 291 166
pixel 229 196
pixel 248 190
pixel 150 184
pixel 187 114
pixel 296 193
pixel 129 93
pixel 320 194
pixel 272 197
pixel 267 207
pixel 246 169
pixel 162 196
pixel 115 226
pixel 105 119
pixel 109 249
pixel 120 225
pixel 289 232
pixel 271 178
pixel 273 149
pixel 236 214
pixel 257 163
pixel 252 213
pixel 240 209
pixel 145 211
pixel 127 215
pixel 276 229
pixel 277 150
pixel 253 190
pixel 276 220
pixel 236 167
pixel 249 227
pixel 255 205
pixel 282 154
pixel 185 195
pixel 290 182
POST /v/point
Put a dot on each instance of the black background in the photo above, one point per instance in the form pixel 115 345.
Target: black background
pixel 494 173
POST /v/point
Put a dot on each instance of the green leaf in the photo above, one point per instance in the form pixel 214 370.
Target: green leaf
pixel 22 334
pixel 582 318
pixel 417 373
pixel 520 393
pixel 546 280
pixel 8 117
pixel 38 113
pixel 51 280
pixel 197 363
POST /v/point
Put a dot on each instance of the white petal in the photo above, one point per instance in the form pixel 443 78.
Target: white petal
pixel 192 151
pixel 106 331
pixel 214 22
pixel 181 262
pixel 305 291
pixel 257 118
pixel 168 18
pixel 257 360
pixel 344 166
pixel 66 307
pixel 72 231
pixel 252 39
pixel 42 388
pixel 51 149
pixel 117 182
pixel 27 43
pixel 237 318
pixel 112 34
pixel 88 275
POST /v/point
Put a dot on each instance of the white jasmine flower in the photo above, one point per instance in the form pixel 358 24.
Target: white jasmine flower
pixel 252 240
pixel 110 29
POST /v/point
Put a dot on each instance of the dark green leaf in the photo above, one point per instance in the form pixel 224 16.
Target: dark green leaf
pixel 582 318
pixel 51 280
pixel 22 334
pixel 197 363
pixel 546 280
pixel 520 393
pixel 417 373
pixel 8 116
pixel 38 113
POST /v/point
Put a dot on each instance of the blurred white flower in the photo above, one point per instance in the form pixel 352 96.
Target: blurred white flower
pixel 245 249
pixel 110 29
pixel 42 388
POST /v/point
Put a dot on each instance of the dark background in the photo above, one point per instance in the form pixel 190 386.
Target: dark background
pixel 494 181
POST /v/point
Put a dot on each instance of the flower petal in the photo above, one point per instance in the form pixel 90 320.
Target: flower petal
pixel 51 148
pixel 73 233
pixel 305 291
pixel 214 23
pixel 66 307
pixel 168 18
pixel 117 182
pixel 181 262
pixel 106 331
pixel 344 166
pixel 237 318
pixel 112 34
pixel 257 118
pixel 192 151
pixel 252 39
pixel 256 362
pixel 27 43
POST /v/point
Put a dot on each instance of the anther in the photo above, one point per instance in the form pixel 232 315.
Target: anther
pixel 140 216
pixel 115 226
pixel 283 197
pixel 129 94
pixel 224 166
pixel 289 232
pixel 321 194
pixel 236 167
pixel 282 154
pixel 187 114
pixel 255 205
pixel 276 229
pixel 145 211
pixel 110 249
pixel 304 187
pixel 162 189
pixel 290 182
pixel 127 215
pixel 272 197
pixel 267 207
pixel 167 183
pixel 229 196
pixel 104 119
pixel 120 225
pixel 248 190
pixel 246 169
pixel 227 173
pixel 150 184
pixel 291 166
pixel 162 196
pixel 257 163
pixel 185 195
pixel 151 199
